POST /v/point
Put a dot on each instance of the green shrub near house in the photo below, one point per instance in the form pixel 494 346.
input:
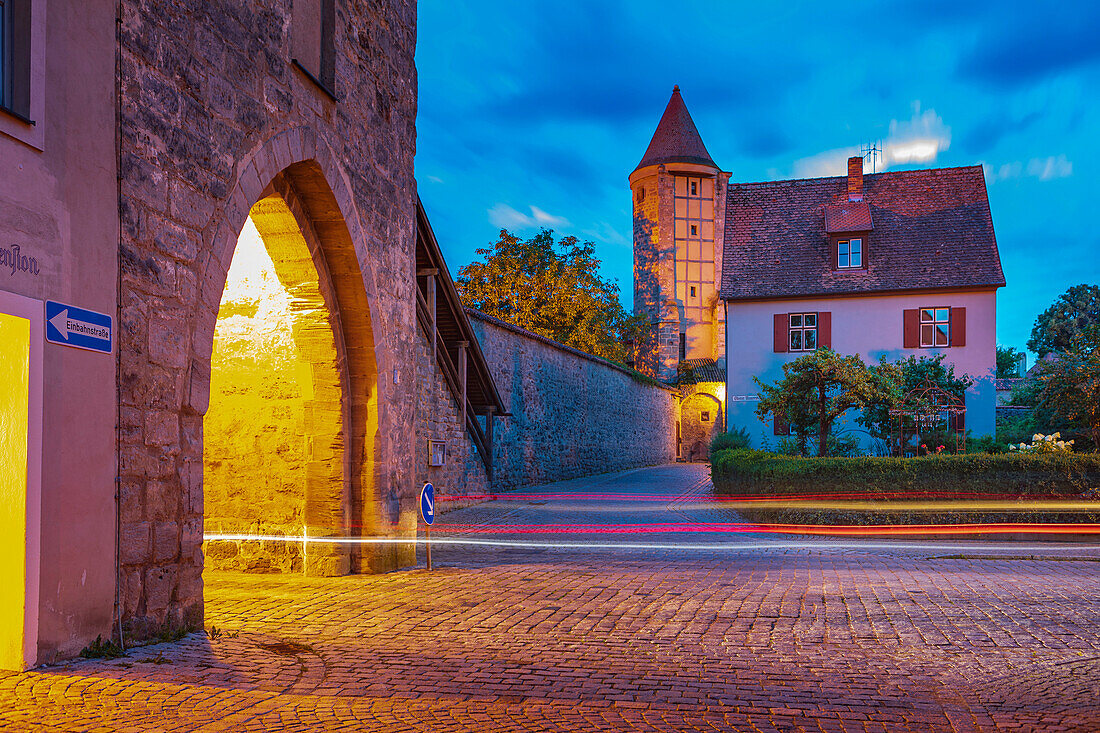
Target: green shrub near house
pixel 978 475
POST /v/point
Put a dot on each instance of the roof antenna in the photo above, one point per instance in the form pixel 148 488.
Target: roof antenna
pixel 874 152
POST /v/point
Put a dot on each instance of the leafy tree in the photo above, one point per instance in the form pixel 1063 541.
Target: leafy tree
pixel 1008 360
pixel 1070 386
pixel 816 389
pixel 1076 310
pixel 553 289
pixel 892 381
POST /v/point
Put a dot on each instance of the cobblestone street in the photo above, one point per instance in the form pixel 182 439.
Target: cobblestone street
pixel 762 634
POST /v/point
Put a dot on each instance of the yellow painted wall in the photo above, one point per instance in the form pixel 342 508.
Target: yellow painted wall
pixel 255 447
pixel 14 411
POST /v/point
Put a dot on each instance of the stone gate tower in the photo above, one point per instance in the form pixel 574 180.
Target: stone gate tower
pixel 679 217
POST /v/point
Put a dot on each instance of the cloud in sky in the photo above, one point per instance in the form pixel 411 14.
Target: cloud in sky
pixel 605 232
pixel 504 216
pixel 1045 169
pixel 919 139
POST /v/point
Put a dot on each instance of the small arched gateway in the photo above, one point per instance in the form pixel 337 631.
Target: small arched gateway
pixel 702 395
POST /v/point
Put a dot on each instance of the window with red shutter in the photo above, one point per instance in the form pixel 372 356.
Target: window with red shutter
pixel 911 328
pixel 825 329
pixel 958 326
pixel 779 333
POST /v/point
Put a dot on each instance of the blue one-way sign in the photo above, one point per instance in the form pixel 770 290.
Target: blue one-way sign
pixel 427 503
pixel 71 326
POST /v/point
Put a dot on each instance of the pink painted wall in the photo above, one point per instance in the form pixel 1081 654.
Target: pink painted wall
pixel 58 204
pixel 870 327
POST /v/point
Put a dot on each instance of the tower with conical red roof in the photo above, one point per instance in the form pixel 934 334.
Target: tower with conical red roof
pixel 678 225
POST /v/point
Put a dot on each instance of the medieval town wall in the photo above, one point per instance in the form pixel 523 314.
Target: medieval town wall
pixel 438 418
pixel 572 414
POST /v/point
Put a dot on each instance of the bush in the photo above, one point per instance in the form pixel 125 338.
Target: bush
pixel 985 444
pixel 978 475
pixel 731 440
pixel 758 473
pixel 843 446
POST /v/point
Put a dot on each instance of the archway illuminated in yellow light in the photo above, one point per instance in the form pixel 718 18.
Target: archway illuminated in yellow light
pixel 274 451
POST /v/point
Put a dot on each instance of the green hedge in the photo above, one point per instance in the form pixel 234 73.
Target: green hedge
pixel 1025 476
pixel 758 473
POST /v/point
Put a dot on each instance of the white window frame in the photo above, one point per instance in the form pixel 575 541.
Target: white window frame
pixel 934 323
pixel 847 253
pixel 5 51
pixel 30 129
pixel 798 323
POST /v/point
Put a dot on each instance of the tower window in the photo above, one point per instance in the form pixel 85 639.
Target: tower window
pixel 694 229
pixel 694 188
pixel 683 346
pixel 312 46
pixel 641 194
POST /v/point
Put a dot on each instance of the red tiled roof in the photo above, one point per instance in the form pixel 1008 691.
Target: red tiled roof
pixel 851 216
pixel 932 229
pixel 676 140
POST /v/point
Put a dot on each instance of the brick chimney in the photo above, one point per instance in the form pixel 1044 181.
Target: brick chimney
pixel 855 178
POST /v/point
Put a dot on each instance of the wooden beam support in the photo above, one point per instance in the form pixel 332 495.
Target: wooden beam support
pixel 462 346
pixel 489 442
pixel 432 310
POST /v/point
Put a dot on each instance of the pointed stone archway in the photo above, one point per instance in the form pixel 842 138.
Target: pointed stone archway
pixel 362 468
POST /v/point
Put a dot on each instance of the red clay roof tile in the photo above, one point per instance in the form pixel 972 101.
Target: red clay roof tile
pixel 933 230
pixel 851 216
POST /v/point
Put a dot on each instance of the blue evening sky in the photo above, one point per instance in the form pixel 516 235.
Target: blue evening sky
pixel 534 114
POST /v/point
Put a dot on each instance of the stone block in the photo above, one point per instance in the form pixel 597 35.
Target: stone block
pixel 161 500
pixel 166 541
pixel 160 586
pixel 136 543
pixel 168 341
pixel 162 428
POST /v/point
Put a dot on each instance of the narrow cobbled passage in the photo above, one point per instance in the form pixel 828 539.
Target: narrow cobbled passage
pixel 776 635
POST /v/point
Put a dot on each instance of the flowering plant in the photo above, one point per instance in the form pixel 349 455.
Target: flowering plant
pixel 1044 444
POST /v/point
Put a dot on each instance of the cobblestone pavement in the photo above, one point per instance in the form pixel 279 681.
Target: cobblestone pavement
pixel 759 634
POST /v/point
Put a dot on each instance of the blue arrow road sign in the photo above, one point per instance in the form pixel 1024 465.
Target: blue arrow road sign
pixel 84 329
pixel 427 503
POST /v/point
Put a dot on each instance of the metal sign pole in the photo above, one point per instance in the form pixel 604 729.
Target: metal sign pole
pixel 427 511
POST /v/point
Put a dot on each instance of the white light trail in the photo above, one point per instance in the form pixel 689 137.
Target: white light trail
pixel 714 547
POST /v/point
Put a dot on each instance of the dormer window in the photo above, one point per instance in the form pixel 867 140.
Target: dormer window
pixel 849 254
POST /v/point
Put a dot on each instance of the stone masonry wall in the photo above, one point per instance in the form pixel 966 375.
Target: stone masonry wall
pixel 212 110
pixel 437 418
pixel 572 414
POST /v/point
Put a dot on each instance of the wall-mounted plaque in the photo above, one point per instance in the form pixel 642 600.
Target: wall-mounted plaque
pixel 437 452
